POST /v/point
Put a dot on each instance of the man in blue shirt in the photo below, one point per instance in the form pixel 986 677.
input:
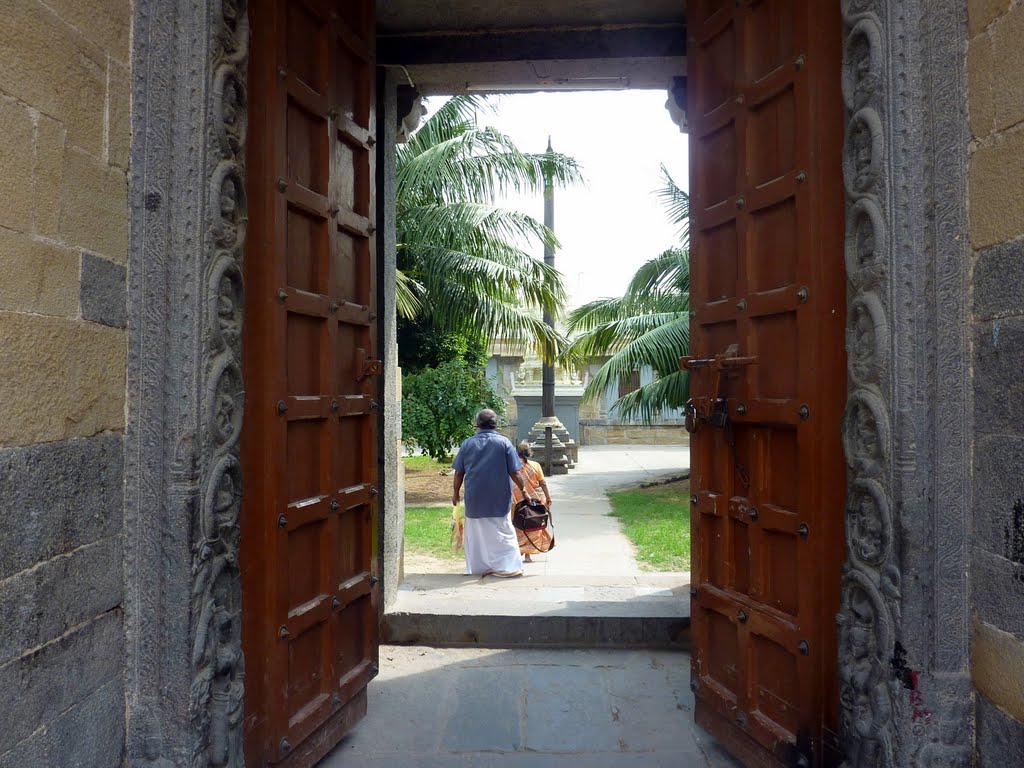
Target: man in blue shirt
pixel 485 462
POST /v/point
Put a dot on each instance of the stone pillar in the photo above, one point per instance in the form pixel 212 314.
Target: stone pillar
pixel 391 519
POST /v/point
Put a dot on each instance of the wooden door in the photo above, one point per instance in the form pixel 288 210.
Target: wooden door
pixel 768 288
pixel 309 447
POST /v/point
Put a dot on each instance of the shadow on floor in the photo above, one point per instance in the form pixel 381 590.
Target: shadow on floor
pixel 482 708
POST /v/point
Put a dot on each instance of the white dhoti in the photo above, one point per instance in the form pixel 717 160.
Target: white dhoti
pixel 492 546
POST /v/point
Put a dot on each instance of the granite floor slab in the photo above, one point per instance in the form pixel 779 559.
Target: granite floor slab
pixel 481 708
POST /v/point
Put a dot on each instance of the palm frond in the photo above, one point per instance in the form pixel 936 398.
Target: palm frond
pixel 407 302
pixel 669 271
pixel 677 205
pixel 456 308
pixel 462 222
pixel 650 401
pixel 659 348
pixel 504 272
pixel 610 336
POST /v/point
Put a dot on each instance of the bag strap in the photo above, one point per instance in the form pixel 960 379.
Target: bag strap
pixel 550 547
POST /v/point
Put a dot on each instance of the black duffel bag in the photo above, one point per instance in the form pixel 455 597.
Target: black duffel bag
pixel 531 515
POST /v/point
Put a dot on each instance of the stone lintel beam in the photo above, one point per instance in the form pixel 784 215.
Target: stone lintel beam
pixel 642 41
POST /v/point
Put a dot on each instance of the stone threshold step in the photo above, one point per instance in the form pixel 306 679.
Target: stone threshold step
pixel 560 630
pixel 430 581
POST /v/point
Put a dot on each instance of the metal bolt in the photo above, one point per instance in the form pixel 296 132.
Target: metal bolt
pixel 282 521
pixel 802 294
pixel 741 617
pixel 694 685
pixel 334 406
pixel 335 700
pixel 753 514
pixel 374 581
pixel 739 99
pixel 800 61
pixel 374 670
pixel 371 229
pixel 282 295
pixel 741 719
pixel 335 603
pixel 282 73
pixel 693 591
pixel 286 746
pixel 373 316
pixel 335 505
pixel 693 499
pixel 741 409
pixel 804 648
pixel 805 412
pixel 282 407
pixel 801 177
pixel 803 531
pixel 693 313
pixel 741 305
pixel 335 306
pixel 374 405
pixel 334 210
pixel 283 632
pixel 373 491
pixel 803 762
pixel 282 185
pixel 740 203
pixel 371 141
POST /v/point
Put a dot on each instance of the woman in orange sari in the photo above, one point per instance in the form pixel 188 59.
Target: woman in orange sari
pixel 541 541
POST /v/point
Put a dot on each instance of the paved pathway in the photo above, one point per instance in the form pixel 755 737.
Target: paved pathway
pixel 477 708
pixel 588 540
pixel 591 571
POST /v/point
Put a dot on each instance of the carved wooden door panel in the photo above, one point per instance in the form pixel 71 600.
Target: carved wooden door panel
pixel 768 374
pixel 309 446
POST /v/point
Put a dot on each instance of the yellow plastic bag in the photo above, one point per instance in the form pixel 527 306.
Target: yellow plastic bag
pixel 458 527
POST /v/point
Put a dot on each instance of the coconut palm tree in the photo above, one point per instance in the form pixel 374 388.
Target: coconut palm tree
pixel 649 325
pixel 465 263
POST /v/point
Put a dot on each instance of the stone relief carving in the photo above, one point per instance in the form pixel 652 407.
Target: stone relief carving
pixel 864 153
pixel 905 687
pixel 217 690
pixel 868 618
pixel 868 523
pixel 865 240
pixel 867 436
pixel 867 343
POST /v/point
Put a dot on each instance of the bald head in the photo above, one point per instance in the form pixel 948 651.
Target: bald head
pixel 487 419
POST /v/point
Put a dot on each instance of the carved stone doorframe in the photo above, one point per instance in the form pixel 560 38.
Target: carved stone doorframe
pixel 904 666
pixel 904 619
pixel 184 668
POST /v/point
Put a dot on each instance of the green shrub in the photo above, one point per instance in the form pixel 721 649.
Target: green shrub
pixel 438 406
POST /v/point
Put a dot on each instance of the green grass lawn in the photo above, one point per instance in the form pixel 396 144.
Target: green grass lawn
pixel 424 462
pixel 657 521
pixel 427 531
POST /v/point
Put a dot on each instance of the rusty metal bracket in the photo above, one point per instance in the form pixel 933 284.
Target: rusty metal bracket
pixel 703 408
pixel 365 367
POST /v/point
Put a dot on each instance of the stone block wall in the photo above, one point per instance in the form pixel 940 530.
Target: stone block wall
pixel 64 123
pixel 996 206
pixel 603 433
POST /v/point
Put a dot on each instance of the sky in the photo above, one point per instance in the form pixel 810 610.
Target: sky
pixel 614 223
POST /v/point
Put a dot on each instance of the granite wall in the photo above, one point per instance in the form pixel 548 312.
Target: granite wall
pixel 64 122
pixel 996 105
